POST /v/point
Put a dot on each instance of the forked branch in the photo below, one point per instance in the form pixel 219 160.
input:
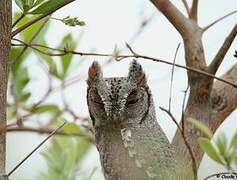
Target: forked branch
pixel 174 15
pixel 15 32
pixel 216 62
pixel 194 11
pixel 218 20
pixel 186 6
pixel 194 166
pixel 65 51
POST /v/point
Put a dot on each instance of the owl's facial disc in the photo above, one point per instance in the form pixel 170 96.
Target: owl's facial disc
pixel 116 100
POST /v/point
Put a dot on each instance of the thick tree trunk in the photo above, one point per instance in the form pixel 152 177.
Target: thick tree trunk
pixel 5 45
pixel 209 102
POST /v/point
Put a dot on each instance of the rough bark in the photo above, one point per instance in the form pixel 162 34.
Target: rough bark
pixel 224 99
pixel 208 103
pixel 5 44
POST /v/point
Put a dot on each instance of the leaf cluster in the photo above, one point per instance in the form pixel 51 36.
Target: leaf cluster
pixel 219 149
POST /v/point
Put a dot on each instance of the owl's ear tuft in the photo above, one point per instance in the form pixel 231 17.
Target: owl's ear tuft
pixel 94 72
pixel 137 74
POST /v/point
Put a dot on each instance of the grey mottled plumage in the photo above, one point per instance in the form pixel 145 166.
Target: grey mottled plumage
pixel 131 144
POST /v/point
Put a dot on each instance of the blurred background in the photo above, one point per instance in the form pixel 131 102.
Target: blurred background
pixel 58 84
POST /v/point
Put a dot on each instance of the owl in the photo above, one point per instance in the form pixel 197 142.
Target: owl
pixel 131 144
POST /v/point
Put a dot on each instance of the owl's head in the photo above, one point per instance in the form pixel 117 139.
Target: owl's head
pixel 120 100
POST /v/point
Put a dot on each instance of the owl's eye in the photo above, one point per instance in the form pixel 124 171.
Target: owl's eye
pixel 133 97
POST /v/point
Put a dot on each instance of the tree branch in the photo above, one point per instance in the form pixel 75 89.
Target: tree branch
pixel 35 149
pixel 65 51
pixel 18 20
pixel 194 167
pixel 194 11
pixel 179 21
pixel 41 130
pixel 30 41
pixel 216 62
pixel 224 99
pixel 39 18
pixel 186 6
pixel 218 20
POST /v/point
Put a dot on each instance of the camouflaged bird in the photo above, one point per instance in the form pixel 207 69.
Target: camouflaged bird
pixel 131 144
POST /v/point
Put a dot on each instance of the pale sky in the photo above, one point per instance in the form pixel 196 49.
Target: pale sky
pixel 110 23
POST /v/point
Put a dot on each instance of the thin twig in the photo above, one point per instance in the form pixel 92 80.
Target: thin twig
pixel 30 41
pixel 35 149
pixel 216 21
pixel 194 166
pixel 18 20
pixel 172 76
pixel 186 6
pixel 131 50
pixel 216 62
pixel 120 57
pixel 39 18
pixel 183 105
pixel 41 131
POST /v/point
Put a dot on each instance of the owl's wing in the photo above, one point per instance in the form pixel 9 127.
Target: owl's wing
pixel 144 147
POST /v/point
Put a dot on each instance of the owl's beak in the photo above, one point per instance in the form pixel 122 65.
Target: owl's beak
pixel 114 112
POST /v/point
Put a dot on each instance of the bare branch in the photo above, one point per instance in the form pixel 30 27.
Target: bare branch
pixel 179 21
pixel 38 18
pixel 216 62
pixel 35 149
pixel 218 20
pixel 183 106
pixel 120 57
pixel 172 77
pixel 42 131
pixel 131 50
pixel 186 6
pixel 194 11
pixel 194 166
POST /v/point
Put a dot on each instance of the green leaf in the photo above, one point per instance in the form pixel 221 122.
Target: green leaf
pixel 210 150
pixel 72 128
pixel 37 2
pixel 51 108
pixel 20 80
pixel 201 126
pixel 75 21
pixel 233 143
pixel 13 55
pixel 63 157
pixel 53 69
pixel 67 59
pixel 30 3
pixel 221 142
pixel 19 4
pixel 48 6
pixel 235 160
pixel 25 5
pixel 28 33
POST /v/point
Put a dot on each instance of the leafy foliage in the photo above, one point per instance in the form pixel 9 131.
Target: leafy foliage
pixel 202 127
pixel 73 21
pixel 65 153
pixel 48 6
pixel 219 150
pixel 63 156
pixel 39 6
